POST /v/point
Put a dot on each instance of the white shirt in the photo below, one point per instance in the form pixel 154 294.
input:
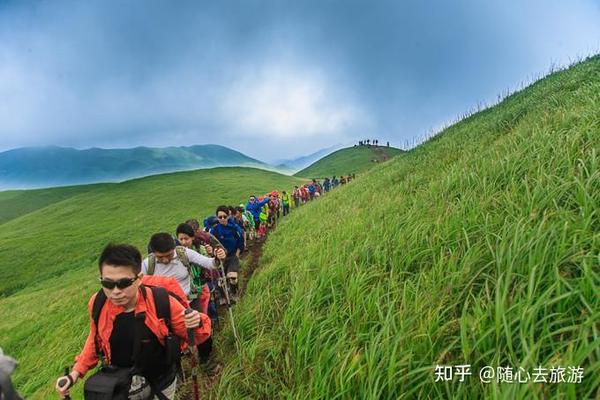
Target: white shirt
pixel 176 269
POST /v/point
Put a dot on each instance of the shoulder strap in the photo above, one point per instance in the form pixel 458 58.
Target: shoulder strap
pixel 97 306
pixel 182 255
pixel 151 264
pixel 99 302
pixel 162 305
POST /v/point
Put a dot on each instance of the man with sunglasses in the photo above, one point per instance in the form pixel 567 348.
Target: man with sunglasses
pixel 231 237
pixel 128 334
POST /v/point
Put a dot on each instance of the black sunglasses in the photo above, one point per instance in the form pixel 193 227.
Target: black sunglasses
pixel 121 283
pixel 222 217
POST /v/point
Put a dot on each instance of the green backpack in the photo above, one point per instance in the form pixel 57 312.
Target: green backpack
pixel 192 271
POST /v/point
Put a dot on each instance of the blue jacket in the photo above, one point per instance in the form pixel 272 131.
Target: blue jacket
pixel 255 207
pixel 231 236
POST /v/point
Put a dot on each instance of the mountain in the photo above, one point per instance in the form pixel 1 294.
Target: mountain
pixel 296 164
pixel 357 159
pixel 32 167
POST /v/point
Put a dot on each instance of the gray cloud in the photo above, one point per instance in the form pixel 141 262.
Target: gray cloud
pixel 273 79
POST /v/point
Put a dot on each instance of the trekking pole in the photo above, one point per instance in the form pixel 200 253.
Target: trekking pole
pixel 228 299
pixel 64 382
pixel 192 345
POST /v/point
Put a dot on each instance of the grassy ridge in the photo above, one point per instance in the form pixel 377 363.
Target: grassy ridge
pixel 14 203
pixel 49 273
pixel 347 161
pixel 480 247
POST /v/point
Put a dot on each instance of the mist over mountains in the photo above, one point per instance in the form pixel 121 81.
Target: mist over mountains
pixel 34 167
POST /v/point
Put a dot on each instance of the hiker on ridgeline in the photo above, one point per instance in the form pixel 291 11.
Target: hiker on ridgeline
pixel 285 202
pixel 249 227
pixel 7 366
pixel 255 207
pixel 129 333
pixel 200 276
pixel 326 185
pixel 334 182
pixel 312 189
pixel 170 260
pixel 296 196
pixel 231 237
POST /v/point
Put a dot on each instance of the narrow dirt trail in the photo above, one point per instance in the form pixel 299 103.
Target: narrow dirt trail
pixel 250 261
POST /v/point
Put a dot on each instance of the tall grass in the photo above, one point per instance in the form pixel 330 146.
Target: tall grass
pixel 481 247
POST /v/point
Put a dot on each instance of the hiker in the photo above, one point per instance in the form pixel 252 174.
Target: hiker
pixel 167 259
pixel 200 276
pixel 248 221
pixel 255 206
pixel 285 202
pixel 7 366
pixel 231 237
pixel 129 334
pixel 296 196
pixel 326 185
pixel 312 189
pixel 342 180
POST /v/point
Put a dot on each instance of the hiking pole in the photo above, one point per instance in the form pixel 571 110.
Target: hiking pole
pixel 64 382
pixel 228 299
pixel 192 345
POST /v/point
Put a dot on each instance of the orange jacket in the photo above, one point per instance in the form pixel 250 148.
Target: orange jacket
pixel 88 359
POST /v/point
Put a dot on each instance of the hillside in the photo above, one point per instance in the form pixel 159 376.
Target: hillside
pixel 58 166
pixel 479 247
pixel 299 163
pixel 350 160
pixel 14 203
pixel 48 257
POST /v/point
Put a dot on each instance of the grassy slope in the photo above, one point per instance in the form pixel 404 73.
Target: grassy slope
pixel 14 203
pixel 44 318
pixel 347 161
pixel 481 246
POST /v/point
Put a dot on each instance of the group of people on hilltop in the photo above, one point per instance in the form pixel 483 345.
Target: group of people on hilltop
pixel 369 142
pixel 150 309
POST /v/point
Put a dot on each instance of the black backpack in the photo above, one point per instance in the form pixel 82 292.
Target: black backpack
pixel 113 383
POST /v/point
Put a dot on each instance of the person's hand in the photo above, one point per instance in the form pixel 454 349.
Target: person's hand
pixel 63 384
pixel 221 254
pixel 209 249
pixel 191 319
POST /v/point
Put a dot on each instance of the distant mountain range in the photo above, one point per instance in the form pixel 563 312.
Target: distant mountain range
pixel 32 167
pixel 296 164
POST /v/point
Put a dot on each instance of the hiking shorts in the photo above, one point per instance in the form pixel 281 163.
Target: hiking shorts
pixel 231 264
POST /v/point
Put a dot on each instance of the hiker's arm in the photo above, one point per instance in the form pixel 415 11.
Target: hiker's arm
pixel 203 261
pixel 87 359
pixel 202 332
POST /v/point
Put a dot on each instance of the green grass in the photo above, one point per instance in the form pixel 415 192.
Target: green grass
pixel 14 203
pixel 481 247
pixel 49 272
pixel 347 161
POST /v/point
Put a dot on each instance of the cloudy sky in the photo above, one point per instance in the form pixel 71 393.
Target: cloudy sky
pixel 273 79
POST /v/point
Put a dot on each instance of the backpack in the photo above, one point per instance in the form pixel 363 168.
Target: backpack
pixel 182 256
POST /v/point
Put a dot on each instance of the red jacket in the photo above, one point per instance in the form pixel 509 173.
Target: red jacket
pixel 88 358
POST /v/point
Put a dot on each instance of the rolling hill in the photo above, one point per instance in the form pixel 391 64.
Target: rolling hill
pixel 299 163
pixel 480 247
pixel 48 256
pixel 350 160
pixel 59 166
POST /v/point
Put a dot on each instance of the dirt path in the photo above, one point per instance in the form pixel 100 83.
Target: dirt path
pixel 381 153
pixel 250 262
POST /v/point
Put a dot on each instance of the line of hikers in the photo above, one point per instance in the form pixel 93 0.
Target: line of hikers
pixel 148 311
